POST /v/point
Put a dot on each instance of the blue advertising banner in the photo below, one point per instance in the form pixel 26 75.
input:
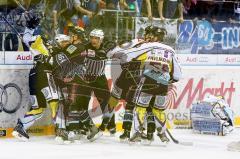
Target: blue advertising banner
pixel 204 37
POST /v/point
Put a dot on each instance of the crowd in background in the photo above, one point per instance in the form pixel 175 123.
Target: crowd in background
pixel 57 15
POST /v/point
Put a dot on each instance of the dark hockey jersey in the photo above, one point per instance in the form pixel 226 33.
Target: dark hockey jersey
pixel 95 60
pixel 66 61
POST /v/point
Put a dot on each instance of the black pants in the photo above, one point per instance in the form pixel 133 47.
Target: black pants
pixel 37 81
pixel 80 92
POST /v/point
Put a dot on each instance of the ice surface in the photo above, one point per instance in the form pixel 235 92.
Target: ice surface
pixel 205 146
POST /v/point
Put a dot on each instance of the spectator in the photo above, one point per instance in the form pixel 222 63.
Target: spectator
pixel 11 38
pixel 11 42
pixel 50 21
pixel 112 4
pixel 74 10
pixel 149 9
pixel 6 6
pixel 230 11
pixel 130 5
pixel 237 10
pixel 188 4
pixel 177 12
pixel 1 39
pixel 212 10
pixel 84 7
pixel 93 6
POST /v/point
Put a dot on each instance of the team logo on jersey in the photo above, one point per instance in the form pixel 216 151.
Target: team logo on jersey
pixel 144 99
pixel 91 53
pixel 71 49
pixel 60 58
pixel 160 101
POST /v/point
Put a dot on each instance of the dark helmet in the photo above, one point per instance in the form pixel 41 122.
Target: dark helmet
pixel 148 29
pixel 33 22
pixel 39 58
pixel 159 32
pixel 78 31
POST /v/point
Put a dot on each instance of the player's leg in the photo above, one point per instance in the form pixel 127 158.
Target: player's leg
pixel 35 113
pixel 160 117
pixel 102 93
pixel 111 126
pixel 142 103
pixel 60 129
pixel 150 122
pixel 79 95
pixel 40 94
pixel 128 114
pixel 119 91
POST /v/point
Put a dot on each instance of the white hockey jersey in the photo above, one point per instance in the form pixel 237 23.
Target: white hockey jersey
pixel 158 59
pixel 34 42
pixel 118 50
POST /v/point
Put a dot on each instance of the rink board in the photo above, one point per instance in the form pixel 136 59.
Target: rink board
pixel 202 75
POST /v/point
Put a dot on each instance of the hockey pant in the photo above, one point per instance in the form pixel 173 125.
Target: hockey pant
pixel 35 114
pixel 80 93
pixel 151 111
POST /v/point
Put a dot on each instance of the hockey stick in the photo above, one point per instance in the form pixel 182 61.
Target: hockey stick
pixel 177 141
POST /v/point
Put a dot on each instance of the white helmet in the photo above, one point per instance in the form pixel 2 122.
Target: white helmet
pixel 61 37
pixel 97 33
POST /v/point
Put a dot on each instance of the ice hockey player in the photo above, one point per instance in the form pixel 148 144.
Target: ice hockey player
pixel 42 87
pixel 128 78
pixel 92 78
pixel 67 65
pixel 160 69
pixel 158 35
pixel 212 115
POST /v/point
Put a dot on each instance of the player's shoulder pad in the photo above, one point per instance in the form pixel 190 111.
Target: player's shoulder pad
pixel 109 45
pixel 167 47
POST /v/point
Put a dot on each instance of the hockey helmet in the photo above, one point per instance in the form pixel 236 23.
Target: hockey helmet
pixel 61 37
pixel 97 33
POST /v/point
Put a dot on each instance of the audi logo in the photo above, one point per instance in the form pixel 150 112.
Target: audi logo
pixel 10 98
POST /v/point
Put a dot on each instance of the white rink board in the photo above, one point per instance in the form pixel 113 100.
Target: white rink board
pixel 199 81
pixel 18 75
pixel 222 78
pixel 17 58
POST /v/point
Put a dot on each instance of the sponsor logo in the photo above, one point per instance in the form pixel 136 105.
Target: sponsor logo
pixel 191 92
pixel 22 57
pixel 8 92
pixel 35 131
pixel 91 53
pixel 231 60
